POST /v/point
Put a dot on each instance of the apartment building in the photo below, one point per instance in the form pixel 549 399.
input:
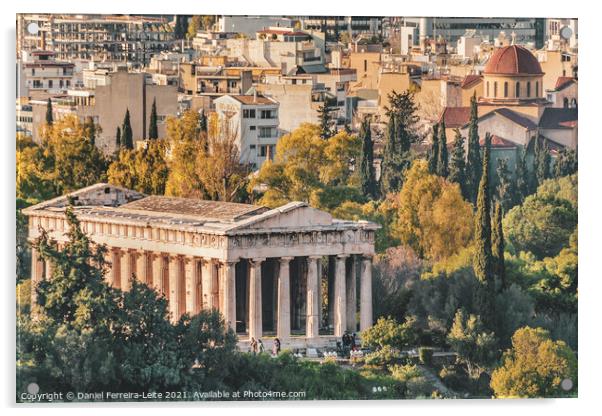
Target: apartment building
pixel 40 73
pixel 132 39
pixel 254 120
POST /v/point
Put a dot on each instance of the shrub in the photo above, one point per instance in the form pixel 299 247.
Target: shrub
pixel 383 357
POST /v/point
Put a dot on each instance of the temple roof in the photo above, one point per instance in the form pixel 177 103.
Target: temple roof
pixel 108 203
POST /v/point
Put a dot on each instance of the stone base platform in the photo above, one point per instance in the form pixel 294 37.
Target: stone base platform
pixel 293 343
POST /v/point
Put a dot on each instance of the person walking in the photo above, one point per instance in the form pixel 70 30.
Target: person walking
pixel 253 346
pixel 276 347
pixel 261 348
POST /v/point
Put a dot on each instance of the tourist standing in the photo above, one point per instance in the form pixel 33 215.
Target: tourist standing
pixel 253 346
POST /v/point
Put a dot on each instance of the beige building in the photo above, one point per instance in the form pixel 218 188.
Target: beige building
pixel 262 268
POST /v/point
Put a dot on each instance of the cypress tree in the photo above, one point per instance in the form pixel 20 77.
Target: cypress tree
pixel 457 165
pixel 153 130
pixel 49 118
pixel 203 122
pixel 118 139
pixel 325 121
pixel 367 174
pixel 497 246
pixel 542 162
pixel 473 162
pixel 483 258
pixel 506 187
pixel 522 176
pixel 566 163
pixel 433 157
pixel 90 129
pixel 442 159
pixel 126 132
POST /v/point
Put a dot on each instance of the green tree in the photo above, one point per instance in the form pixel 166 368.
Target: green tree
pixel 49 117
pixel 506 186
pixel 367 174
pixel 541 225
pixel 433 156
pixel 401 133
pixel 457 165
pixel 127 140
pixel 475 346
pixel 194 25
pixel 90 129
pixel 535 366
pixel 325 117
pixel 473 162
pixel 153 130
pixel 566 163
pixel 388 332
pixel 542 161
pixel 442 158
pixel 483 258
pixel 522 176
pixel 118 139
pixel 497 246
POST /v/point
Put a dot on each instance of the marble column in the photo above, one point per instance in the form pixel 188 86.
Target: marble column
pixel 143 272
pixel 283 329
pixel 351 287
pixel 366 293
pixel 48 267
pixel 340 304
pixel 115 273
pixel 207 279
pixel 192 278
pixel 255 315
pixel 157 259
pixel 126 269
pixel 229 293
pixel 36 273
pixel 175 286
pixel 215 286
pixel 313 298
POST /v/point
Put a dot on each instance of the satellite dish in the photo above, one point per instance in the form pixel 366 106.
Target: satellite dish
pixel 566 33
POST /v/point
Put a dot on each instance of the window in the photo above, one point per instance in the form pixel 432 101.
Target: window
pixel 252 147
pixel 505 90
pixel 249 113
pixel 265 132
pixel 49 83
pixel 565 102
pixel 517 93
pixel 495 89
pixel 268 114
pixel 487 88
pixel 365 65
pixel 537 89
pixel 252 128
pixel 529 89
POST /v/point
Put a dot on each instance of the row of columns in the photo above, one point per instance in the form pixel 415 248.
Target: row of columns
pixel 192 284
pixel 344 297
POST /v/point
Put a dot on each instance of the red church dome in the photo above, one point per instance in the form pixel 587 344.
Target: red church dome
pixel 513 60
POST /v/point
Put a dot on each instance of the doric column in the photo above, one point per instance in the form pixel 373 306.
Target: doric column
pixel 36 273
pixel 313 298
pixel 126 269
pixel 191 271
pixel 143 274
pixel 255 317
pixel 215 286
pixel 115 273
pixel 340 303
pixel 175 286
pixel 366 294
pixel 283 330
pixel 207 279
pixel 351 296
pixel 229 293
pixel 157 259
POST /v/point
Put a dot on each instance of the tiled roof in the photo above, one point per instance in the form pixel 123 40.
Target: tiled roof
pixel 558 118
pixel 470 81
pixel 563 82
pixel 252 99
pixel 515 117
pixel 455 117
pixel 498 142
pixel 513 60
pixel 200 209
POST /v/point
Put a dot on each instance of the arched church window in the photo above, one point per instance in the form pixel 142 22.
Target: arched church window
pixel 517 92
pixel 505 89
pixel 495 89
pixel 529 89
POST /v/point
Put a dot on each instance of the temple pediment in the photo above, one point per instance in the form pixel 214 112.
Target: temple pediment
pixel 292 215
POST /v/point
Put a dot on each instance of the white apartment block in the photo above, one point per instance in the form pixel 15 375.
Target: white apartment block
pixel 254 121
pixel 40 72
pixel 249 25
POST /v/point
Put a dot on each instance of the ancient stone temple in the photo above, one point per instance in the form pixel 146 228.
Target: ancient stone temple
pixel 293 272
